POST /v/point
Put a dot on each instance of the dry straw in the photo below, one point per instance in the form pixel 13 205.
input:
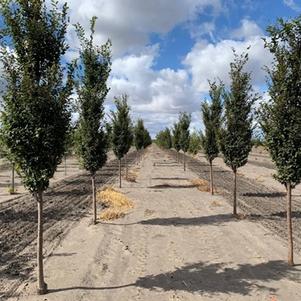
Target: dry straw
pixel 116 204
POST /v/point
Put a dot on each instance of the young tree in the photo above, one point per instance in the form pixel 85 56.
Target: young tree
pixel 176 131
pixel 281 116
pixel 194 143
pixel 122 137
pixel 184 124
pixel 35 114
pixel 94 70
pixel 139 135
pixel 163 139
pixel 147 140
pixel 236 133
pixel 211 114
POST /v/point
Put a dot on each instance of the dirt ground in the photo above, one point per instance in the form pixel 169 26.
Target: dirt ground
pixel 177 243
pixel 66 202
pixel 66 169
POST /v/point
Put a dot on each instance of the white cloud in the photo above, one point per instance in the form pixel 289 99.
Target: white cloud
pixel 128 23
pixel 292 4
pixel 247 30
pixel 156 95
pixel 209 61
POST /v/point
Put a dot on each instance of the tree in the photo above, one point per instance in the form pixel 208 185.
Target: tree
pixel 211 114
pixel 122 136
pixel 236 133
pixel 147 140
pixel 35 114
pixel 184 124
pixel 176 131
pixel 280 117
pixel 93 72
pixel 142 137
pixel 194 143
pixel 163 139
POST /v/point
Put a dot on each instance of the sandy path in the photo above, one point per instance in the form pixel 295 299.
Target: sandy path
pixel 176 244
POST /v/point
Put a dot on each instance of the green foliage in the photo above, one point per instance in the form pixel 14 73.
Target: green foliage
pixel 211 114
pixel 109 134
pixel 184 124
pixel 194 143
pixel 93 72
pixel 176 132
pixel 280 118
pixel 147 139
pixel 122 136
pixel 142 138
pixel 236 133
pixel 163 139
pixel 35 114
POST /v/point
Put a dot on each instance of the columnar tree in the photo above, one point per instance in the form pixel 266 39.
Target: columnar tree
pixel 194 143
pixel 236 133
pixel 211 113
pixel 163 139
pixel 93 72
pixel 147 140
pixel 281 115
pixel 184 124
pixel 122 136
pixel 35 114
pixel 176 132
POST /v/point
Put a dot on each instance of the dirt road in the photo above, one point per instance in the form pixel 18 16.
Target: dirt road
pixel 263 201
pixel 178 243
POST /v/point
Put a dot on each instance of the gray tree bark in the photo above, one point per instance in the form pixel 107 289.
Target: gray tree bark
pixel 42 286
pixel 234 194
pixel 94 199
pixel 289 225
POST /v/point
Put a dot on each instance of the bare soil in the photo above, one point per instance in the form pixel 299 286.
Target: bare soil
pixel 65 203
pixel 177 243
pixel 263 203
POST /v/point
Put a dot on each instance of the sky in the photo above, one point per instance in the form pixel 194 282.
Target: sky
pixel 165 51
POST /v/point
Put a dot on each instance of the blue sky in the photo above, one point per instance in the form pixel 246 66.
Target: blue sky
pixel 164 51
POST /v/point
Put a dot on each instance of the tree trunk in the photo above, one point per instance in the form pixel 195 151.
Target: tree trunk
pixel 289 225
pixel 13 178
pixel 65 159
pixel 119 173
pixel 177 157
pixel 184 160
pixel 211 179
pixel 234 194
pixel 126 166
pixel 94 199
pixel 42 286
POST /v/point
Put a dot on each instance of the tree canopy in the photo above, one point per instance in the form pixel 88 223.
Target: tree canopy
pixel 211 113
pixel 122 135
pixel 92 75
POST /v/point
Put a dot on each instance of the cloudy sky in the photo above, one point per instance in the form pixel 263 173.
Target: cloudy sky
pixel 164 51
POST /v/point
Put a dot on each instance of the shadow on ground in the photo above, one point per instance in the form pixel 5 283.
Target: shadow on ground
pixel 190 221
pixel 212 279
pixel 265 194
pixel 166 186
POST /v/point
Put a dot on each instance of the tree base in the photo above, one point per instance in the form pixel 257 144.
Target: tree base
pixel 42 290
pixel 291 263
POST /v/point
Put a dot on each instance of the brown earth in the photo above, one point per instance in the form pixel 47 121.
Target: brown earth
pixel 177 243
pixel 67 202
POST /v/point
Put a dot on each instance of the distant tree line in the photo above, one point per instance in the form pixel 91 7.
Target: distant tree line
pixel 36 131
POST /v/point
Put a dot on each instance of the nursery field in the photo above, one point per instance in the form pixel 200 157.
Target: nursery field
pixel 175 242
pixel 65 203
